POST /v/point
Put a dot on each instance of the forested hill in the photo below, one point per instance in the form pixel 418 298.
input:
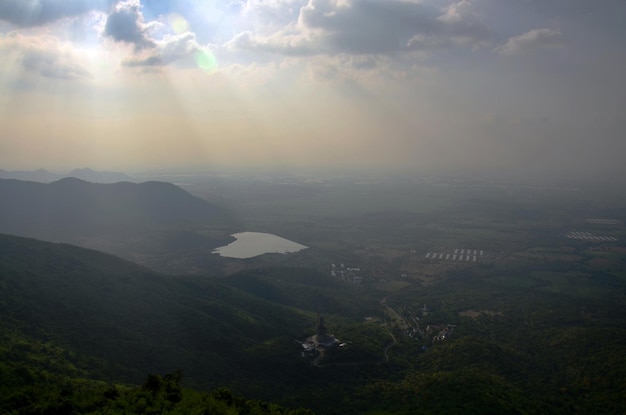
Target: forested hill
pixel 68 314
pixel 132 320
pixel 75 207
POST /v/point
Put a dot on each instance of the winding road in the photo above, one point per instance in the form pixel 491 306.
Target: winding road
pixel 389 347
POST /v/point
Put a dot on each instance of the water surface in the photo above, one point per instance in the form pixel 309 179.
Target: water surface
pixel 251 244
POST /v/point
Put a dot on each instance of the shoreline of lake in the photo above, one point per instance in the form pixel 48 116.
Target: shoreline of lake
pixel 252 244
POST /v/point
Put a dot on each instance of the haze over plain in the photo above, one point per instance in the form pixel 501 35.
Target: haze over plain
pixel 507 85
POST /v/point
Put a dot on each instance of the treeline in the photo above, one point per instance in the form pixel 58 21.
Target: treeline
pixel 157 395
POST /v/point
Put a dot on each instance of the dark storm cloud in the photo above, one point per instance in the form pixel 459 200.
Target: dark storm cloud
pixel 39 12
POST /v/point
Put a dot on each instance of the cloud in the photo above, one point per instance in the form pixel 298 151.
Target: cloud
pixel 171 48
pixel 126 24
pixel 570 9
pixel 363 26
pixel 284 42
pixel 458 12
pixel 39 12
pixel 53 65
pixel 359 72
pixel 462 24
pixel 47 57
pixel 532 40
pixel 273 12
pixel 367 27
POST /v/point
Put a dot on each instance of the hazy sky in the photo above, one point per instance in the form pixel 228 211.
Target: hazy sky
pixel 519 85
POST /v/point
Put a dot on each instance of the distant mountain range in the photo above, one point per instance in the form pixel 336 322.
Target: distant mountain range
pixel 72 207
pixel 86 174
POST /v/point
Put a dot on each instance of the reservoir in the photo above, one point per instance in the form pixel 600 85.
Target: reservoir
pixel 251 244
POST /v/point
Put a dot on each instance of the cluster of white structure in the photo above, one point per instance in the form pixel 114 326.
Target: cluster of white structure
pixel 466 255
pixel 586 236
pixel 345 273
pixel 599 221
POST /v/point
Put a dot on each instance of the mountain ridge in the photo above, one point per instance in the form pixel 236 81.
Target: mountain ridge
pixel 87 174
pixel 72 206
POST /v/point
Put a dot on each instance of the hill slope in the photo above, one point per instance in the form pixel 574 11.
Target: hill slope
pixel 140 222
pixel 132 319
pixel 82 313
pixel 75 207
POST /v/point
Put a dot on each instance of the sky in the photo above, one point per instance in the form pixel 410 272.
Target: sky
pixel 506 86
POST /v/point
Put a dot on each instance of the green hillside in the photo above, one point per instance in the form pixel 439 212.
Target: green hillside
pixel 71 313
pixel 135 320
pixel 39 377
pixel 79 328
pixel 306 289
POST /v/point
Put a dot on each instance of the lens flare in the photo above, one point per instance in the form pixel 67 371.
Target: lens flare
pixel 178 23
pixel 206 60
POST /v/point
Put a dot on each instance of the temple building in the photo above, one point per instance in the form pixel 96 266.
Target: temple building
pixel 321 340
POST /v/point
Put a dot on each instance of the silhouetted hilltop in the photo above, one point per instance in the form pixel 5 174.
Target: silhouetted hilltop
pixel 87 174
pixel 93 176
pixel 39 175
pixel 72 206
